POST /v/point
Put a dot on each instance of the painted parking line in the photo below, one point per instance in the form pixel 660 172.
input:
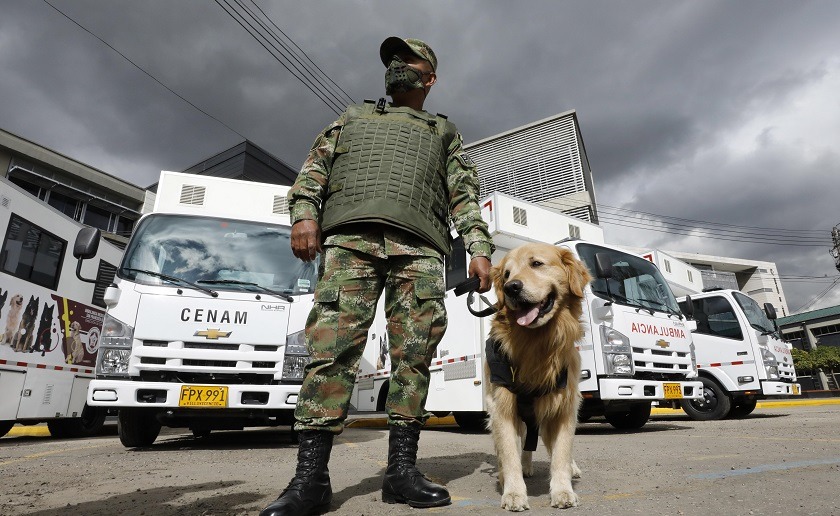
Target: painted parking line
pixel 766 467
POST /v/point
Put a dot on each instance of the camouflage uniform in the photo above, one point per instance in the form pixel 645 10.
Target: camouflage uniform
pixel 359 261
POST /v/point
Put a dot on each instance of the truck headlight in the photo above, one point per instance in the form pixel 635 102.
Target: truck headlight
pixel 296 357
pixel 114 348
pixel 618 355
pixel 770 364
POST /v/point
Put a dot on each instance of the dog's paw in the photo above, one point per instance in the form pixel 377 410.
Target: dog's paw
pixel 564 499
pixel 515 502
pixel 576 472
pixel 527 464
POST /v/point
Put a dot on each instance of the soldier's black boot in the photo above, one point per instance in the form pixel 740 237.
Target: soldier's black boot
pixel 310 491
pixel 402 482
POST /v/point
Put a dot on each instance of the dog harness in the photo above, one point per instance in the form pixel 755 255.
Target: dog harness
pixel 503 373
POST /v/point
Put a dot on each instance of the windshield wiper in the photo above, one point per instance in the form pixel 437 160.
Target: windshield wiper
pixel 616 297
pixel 281 295
pixel 762 329
pixel 174 279
pixel 667 309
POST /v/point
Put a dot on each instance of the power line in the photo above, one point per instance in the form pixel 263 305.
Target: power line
pixel 311 85
pixel 720 232
pixel 350 99
pixel 144 71
pixel 818 297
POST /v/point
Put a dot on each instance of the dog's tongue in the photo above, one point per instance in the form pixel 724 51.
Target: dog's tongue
pixel 525 317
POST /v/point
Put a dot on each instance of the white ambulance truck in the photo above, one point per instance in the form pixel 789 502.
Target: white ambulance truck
pixel 205 319
pixel 740 358
pixel 637 348
pixel 50 319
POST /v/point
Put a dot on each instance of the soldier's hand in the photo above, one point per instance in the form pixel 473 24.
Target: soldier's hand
pixel 306 239
pixel 480 267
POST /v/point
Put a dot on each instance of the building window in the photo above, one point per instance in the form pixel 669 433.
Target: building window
pixel 31 253
pixel 574 231
pixel 98 218
pixel 65 204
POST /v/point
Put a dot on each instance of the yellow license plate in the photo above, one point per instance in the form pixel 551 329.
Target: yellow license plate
pixel 795 390
pixel 673 391
pixel 203 396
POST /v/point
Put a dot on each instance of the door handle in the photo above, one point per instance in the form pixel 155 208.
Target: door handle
pixel 742 353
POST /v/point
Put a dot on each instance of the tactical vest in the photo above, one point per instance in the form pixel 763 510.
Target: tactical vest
pixel 390 168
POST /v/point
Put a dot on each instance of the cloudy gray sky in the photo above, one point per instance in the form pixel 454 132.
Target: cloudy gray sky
pixel 723 112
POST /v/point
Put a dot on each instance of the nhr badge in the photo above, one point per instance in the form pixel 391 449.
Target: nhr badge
pixel 212 334
pixel 662 343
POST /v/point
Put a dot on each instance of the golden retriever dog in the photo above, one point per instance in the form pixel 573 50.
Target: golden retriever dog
pixel 540 292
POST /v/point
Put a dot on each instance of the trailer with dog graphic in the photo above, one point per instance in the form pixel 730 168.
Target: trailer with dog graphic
pixel 637 348
pixel 50 319
pixel 204 322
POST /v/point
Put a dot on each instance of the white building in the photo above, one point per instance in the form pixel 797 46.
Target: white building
pixel 543 162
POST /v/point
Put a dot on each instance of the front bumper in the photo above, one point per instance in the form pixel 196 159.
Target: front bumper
pixel 123 393
pixel 780 389
pixel 632 389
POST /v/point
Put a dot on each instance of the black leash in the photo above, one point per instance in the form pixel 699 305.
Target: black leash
pixel 471 285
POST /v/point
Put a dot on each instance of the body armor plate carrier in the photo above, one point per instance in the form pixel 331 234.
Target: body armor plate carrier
pixel 390 168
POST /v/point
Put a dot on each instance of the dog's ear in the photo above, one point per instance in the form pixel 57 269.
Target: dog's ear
pixel 578 273
pixel 497 276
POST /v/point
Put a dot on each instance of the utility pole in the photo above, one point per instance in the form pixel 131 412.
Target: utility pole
pixel 835 251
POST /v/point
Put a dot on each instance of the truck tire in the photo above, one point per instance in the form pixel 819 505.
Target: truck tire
pixel 137 427
pixel 714 405
pixel 742 408
pixel 89 424
pixel 631 419
pixel 471 421
pixel 5 426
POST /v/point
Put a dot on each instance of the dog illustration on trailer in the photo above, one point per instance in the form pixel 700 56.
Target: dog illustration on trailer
pixel 76 352
pixel 25 335
pixel 46 330
pixel 12 319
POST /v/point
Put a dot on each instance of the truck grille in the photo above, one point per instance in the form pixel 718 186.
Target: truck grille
pixel 661 361
pixel 207 358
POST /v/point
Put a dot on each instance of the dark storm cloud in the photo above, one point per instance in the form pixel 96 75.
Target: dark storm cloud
pixel 655 84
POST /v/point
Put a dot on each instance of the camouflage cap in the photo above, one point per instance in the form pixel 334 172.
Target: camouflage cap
pixel 394 45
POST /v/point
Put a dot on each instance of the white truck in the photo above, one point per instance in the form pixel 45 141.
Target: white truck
pixel 51 319
pixel 740 357
pixel 637 348
pixel 205 319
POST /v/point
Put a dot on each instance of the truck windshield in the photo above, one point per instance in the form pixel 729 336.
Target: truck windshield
pixel 755 315
pixel 634 282
pixel 223 253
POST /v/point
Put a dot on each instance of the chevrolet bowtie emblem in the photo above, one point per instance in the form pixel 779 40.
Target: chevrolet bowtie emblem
pixel 662 343
pixel 212 334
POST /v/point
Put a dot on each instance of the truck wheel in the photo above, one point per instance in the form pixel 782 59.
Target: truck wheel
pixel 5 426
pixel 742 409
pixel 471 421
pixel 714 405
pixel 632 419
pixel 137 427
pixel 89 424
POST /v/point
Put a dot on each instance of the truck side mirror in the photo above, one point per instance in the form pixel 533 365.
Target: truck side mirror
pixel 603 265
pixel 87 243
pixel 770 311
pixel 687 308
pixel 86 246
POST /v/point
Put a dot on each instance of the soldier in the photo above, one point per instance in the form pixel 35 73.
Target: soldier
pixel 379 186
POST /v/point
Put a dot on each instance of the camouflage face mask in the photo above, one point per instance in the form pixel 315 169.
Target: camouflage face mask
pixel 401 77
